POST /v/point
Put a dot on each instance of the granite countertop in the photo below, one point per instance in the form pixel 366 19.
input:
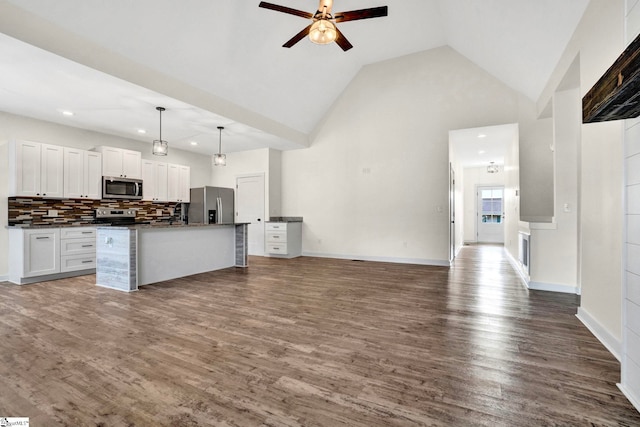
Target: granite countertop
pixel 177 224
pixel 167 225
pixel 285 219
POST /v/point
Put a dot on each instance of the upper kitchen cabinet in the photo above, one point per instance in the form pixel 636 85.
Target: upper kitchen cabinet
pixel 35 170
pixel 120 162
pixel 82 174
pixel 179 183
pixel 154 181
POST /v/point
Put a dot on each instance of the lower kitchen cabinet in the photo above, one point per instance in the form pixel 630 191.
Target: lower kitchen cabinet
pixel 40 254
pixel 284 239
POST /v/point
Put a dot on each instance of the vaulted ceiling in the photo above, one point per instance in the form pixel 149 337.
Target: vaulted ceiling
pixel 220 62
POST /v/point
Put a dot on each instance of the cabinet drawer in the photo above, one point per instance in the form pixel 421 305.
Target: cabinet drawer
pixel 77 262
pixel 77 232
pixel 77 246
pixel 276 236
pixel 275 248
pixel 276 226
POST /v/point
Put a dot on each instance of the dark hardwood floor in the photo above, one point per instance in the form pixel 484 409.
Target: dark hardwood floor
pixel 307 342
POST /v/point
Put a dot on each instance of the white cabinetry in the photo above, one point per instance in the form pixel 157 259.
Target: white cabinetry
pixel 284 239
pixel 35 170
pixel 50 253
pixel 33 253
pixel 179 183
pixel 155 181
pixel 120 162
pixel 77 248
pixel 82 174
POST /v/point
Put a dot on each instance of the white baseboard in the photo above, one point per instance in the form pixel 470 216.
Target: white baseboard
pixel 630 396
pixel 554 287
pixel 609 341
pixel 418 261
pixel 4 278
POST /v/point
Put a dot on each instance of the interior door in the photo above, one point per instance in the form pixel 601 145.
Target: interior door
pixel 250 209
pixel 490 214
pixel 452 213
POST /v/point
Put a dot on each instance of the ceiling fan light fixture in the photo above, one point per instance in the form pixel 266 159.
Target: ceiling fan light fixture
pixel 323 31
pixel 160 146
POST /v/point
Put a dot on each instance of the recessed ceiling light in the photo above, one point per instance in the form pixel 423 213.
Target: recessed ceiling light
pixel 481 152
pixel 67 113
pixel 482 135
pixel 142 131
pixel 194 143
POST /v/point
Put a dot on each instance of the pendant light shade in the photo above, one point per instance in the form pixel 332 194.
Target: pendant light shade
pixel 220 159
pixel 160 146
pixel 492 168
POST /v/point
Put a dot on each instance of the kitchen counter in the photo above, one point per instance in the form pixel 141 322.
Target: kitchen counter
pixel 285 219
pixel 138 225
pixel 131 256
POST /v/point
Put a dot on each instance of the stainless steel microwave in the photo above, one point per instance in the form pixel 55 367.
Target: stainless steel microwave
pixel 121 188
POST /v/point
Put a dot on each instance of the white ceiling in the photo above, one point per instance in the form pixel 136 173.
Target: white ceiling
pixel 215 62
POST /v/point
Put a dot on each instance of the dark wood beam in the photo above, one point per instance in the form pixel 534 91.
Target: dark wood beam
pixel 616 95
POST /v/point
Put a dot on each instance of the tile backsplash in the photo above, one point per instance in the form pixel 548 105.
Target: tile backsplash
pixel 36 211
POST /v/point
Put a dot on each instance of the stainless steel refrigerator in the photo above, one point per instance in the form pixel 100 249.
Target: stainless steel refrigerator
pixel 211 205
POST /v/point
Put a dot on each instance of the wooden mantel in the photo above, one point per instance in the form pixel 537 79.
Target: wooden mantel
pixel 616 95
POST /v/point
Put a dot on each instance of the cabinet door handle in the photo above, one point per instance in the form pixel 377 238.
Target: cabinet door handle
pixel 42 238
pixel 87 246
pixel 89 261
pixel 87 232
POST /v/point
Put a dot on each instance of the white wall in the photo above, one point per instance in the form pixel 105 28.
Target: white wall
pixel 266 161
pixel 19 127
pixel 473 177
pixel 374 183
pixel 597 41
pixel 630 353
pixel 554 250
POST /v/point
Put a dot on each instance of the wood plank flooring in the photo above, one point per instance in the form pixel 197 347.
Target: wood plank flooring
pixel 307 342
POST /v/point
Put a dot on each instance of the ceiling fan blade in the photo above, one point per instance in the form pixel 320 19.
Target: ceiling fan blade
pixel 285 9
pixel 353 15
pixel 295 39
pixel 342 41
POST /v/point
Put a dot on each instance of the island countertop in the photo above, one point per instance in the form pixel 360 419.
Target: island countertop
pixel 129 256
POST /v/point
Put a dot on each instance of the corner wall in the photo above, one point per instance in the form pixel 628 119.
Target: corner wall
pixel 374 183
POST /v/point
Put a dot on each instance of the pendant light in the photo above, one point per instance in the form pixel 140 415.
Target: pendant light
pixel 492 168
pixel 160 146
pixel 220 159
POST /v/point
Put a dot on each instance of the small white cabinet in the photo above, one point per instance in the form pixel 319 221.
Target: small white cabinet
pixel 155 181
pixel 49 253
pixel 34 252
pixel 35 170
pixel 120 162
pixel 82 174
pixel 179 183
pixel 284 239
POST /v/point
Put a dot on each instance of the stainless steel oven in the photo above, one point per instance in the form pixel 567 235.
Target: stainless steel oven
pixel 121 188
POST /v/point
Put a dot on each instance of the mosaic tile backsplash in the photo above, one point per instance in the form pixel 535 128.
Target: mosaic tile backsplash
pixel 35 211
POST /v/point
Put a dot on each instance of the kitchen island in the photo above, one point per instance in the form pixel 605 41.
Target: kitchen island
pixel 137 255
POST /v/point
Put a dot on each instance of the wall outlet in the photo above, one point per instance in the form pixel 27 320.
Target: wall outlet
pixel 52 213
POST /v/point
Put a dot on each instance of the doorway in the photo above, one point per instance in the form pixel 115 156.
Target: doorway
pixel 452 213
pixel 490 214
pixel 250 209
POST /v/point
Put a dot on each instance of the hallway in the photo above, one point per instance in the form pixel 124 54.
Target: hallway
pixel 308 342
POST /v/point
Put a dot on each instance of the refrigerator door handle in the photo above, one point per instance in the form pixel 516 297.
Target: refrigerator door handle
pixel 219 207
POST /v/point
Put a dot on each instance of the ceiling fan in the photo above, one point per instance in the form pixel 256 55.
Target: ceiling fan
pixel 323 29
